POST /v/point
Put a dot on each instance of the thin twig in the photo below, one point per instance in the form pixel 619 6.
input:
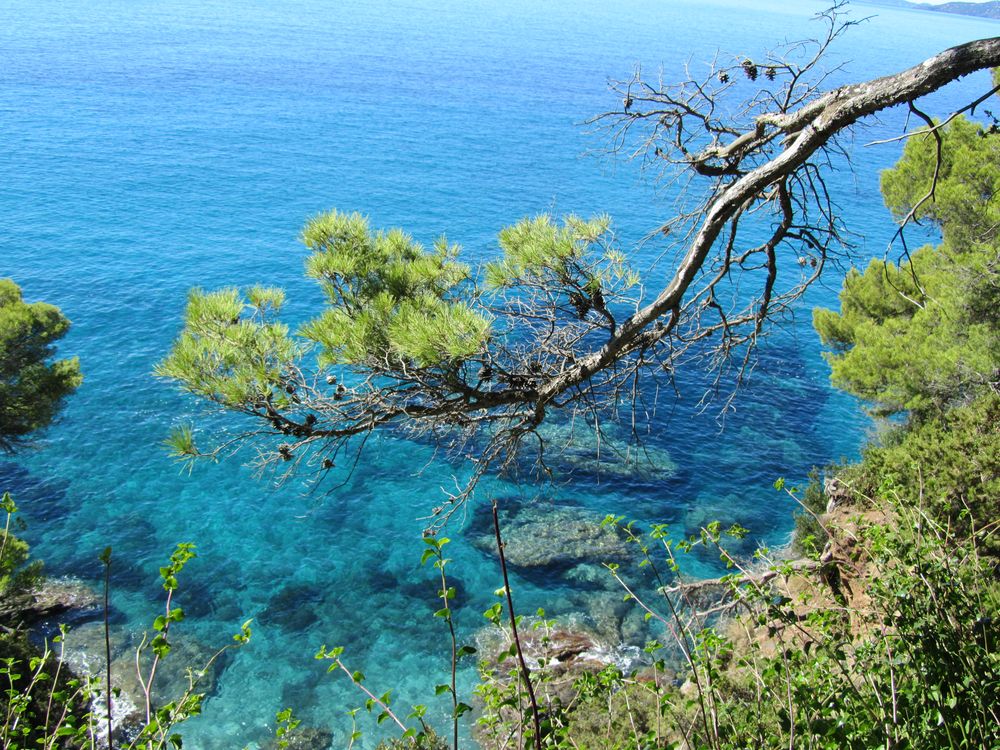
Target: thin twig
pixel 513 629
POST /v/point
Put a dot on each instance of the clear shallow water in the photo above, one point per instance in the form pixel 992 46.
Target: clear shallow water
pixel 148 148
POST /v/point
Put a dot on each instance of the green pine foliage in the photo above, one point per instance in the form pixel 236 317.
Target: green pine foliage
pixel 537 248
pixel 575 264
pixel 32 383
pixel 392 306
pixel 948 465
pixel 232 350
pixel 964 204
pixel 389 298
pixel 909 337
pixel 923 335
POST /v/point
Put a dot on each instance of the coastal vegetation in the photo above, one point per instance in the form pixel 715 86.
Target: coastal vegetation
pixel 883 631
pixel 41 702
pixel 33 384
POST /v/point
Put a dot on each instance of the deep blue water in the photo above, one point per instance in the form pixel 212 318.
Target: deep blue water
pixel 149 147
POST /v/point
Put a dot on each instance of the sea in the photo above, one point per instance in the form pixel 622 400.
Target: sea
pixel 150 147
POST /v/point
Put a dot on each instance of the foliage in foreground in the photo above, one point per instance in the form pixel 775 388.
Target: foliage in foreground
pixel 891 643
pixel 44 704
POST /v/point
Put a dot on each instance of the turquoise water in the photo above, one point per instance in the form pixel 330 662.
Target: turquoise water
pixel 150 147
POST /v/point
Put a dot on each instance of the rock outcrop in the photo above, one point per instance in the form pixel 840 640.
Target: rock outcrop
pixel 543 535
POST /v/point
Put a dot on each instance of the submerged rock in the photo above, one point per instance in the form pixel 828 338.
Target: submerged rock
pixel 65 599
pixel 543 535
pixel 592 576
pixel 293 607
pixel 611 452
pixel 188 659
pixel 616 620
pixel 58 595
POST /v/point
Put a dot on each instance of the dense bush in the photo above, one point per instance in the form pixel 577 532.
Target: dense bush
pixel 948 465
pixel 33 384
pixel 923 335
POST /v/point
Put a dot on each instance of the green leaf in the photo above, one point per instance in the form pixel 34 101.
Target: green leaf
pixel 160 646
pixel 418 712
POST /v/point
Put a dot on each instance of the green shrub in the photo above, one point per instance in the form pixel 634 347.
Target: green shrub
pixel 949 465
pixel 17 572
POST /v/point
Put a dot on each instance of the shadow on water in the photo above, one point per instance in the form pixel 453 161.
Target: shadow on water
pixel 41 499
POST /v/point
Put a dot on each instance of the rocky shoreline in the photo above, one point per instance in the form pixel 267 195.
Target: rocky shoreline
pixel 57 603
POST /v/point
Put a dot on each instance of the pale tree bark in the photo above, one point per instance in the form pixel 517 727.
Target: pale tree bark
pixel 804 132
